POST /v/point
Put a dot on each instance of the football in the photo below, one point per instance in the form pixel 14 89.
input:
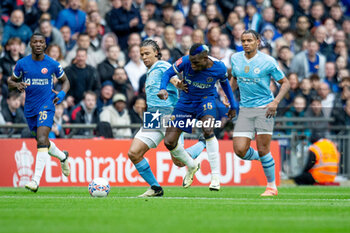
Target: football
pixel 99 187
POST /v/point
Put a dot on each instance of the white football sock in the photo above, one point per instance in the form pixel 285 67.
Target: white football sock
pixel 40 162
pixel 55 152
pixel 181 154
pixel 213 155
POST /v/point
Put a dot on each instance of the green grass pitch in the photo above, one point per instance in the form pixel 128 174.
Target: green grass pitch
pixel 233 209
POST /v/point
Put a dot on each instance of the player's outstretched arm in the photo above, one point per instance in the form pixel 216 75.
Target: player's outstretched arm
pixel 65 88
pixel 179 84
pixel 15 83
pixel 163 93
pixel 272 107
pixel 226 87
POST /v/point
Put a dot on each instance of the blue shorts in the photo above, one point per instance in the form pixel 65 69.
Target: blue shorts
pixel 187 111
pixel 43 118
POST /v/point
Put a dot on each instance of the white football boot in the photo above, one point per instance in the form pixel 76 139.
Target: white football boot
pixel 188 179
pixel 64 165
pixel 32 186
pixel 154 191
pixel 215 183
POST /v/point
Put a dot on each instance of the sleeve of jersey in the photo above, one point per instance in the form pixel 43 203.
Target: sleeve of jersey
pixel 59 71
pixel 228 91
pixel 175 69
pixel 276 71
pixel 17 72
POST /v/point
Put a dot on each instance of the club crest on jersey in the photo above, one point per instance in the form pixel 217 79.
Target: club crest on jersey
pixel 256 70
pixel 178 62
pixel 246 69
pixel 44 70
pixel 210 79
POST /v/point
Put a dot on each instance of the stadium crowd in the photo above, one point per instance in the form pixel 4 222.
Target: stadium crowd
pixel 98 44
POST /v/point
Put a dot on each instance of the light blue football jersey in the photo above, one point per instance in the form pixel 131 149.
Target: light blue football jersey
pixel 153 81
pixel 253 78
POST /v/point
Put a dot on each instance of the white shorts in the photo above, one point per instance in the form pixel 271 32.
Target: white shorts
pixel 152 138
pixel 251 120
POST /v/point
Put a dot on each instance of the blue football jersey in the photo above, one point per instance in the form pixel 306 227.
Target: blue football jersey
pixel 253 78
pixel 152 85
pixel 39 75
pixel 202 83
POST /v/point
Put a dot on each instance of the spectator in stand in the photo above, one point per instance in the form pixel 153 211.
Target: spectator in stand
pixel 302 31
pixel 110 39
pixel 107 67
pixel 135 67
pixel 149 30
pixel 293 91
pixel 86 113
pixel 102 27
pixel 31 14
pixel 44 7
pixel 331 29
pixel 268 17
pixel 317 14
pixel 168 11
pixel 69 43
pixel 297 109
pixel 315 110
pixel 178 21
pixel 137 108
pixel 8 62
pixel 346 28
pixel 117 114
pixel 284 60
pixel 307 91
pixel 213 36
pixel 16 28
pixel 170 42
pixel 225 50
pixel 309 62
pixel 82 77
pixel 230 22
pixel 202 23
pixel 124 21
pixel 278 5
pixel 303 8
pixel 73 17
pixel 288 11
pixel 95 37
pixel 213 14
pixel 253 19
pixel 327 98
pixel 239 9
pixel 54 51
pixel 238 29
pixel 336 14
pixel 331 76
pixel 198 37
pixel 115 4
pixel 106 94
pixel 151 8
pixel 195 11
pixel 57 131
pixel 122 83
pixel 93 58
pixel 12 112
pixel 320 36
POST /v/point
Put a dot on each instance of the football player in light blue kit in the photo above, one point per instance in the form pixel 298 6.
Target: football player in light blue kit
pixel 200 73
pixel 34 75
pixel 252 70
pixel 146 139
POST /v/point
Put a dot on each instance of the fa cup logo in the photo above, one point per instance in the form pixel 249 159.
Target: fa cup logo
pixel 24 161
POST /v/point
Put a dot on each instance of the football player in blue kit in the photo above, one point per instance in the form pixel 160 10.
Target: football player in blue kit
pixel 146 139
pixel 34 75
pixel 253 70
pixel 200 73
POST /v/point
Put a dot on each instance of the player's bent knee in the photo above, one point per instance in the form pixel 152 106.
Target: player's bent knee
pixel 134 156
pixel 169 144
pixel 240 152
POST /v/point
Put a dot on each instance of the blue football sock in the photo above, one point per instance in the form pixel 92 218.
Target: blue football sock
pixel 145 171
pixel 196 149
pixel 268 164
pixel 251 154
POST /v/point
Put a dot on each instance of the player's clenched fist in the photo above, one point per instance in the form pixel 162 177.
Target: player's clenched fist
pixel 21 86
pixel 163 94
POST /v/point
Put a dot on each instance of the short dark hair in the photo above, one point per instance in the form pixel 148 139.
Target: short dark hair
pixel 154 45
pixel 13 94
pixel 250 31
pixel 37 34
